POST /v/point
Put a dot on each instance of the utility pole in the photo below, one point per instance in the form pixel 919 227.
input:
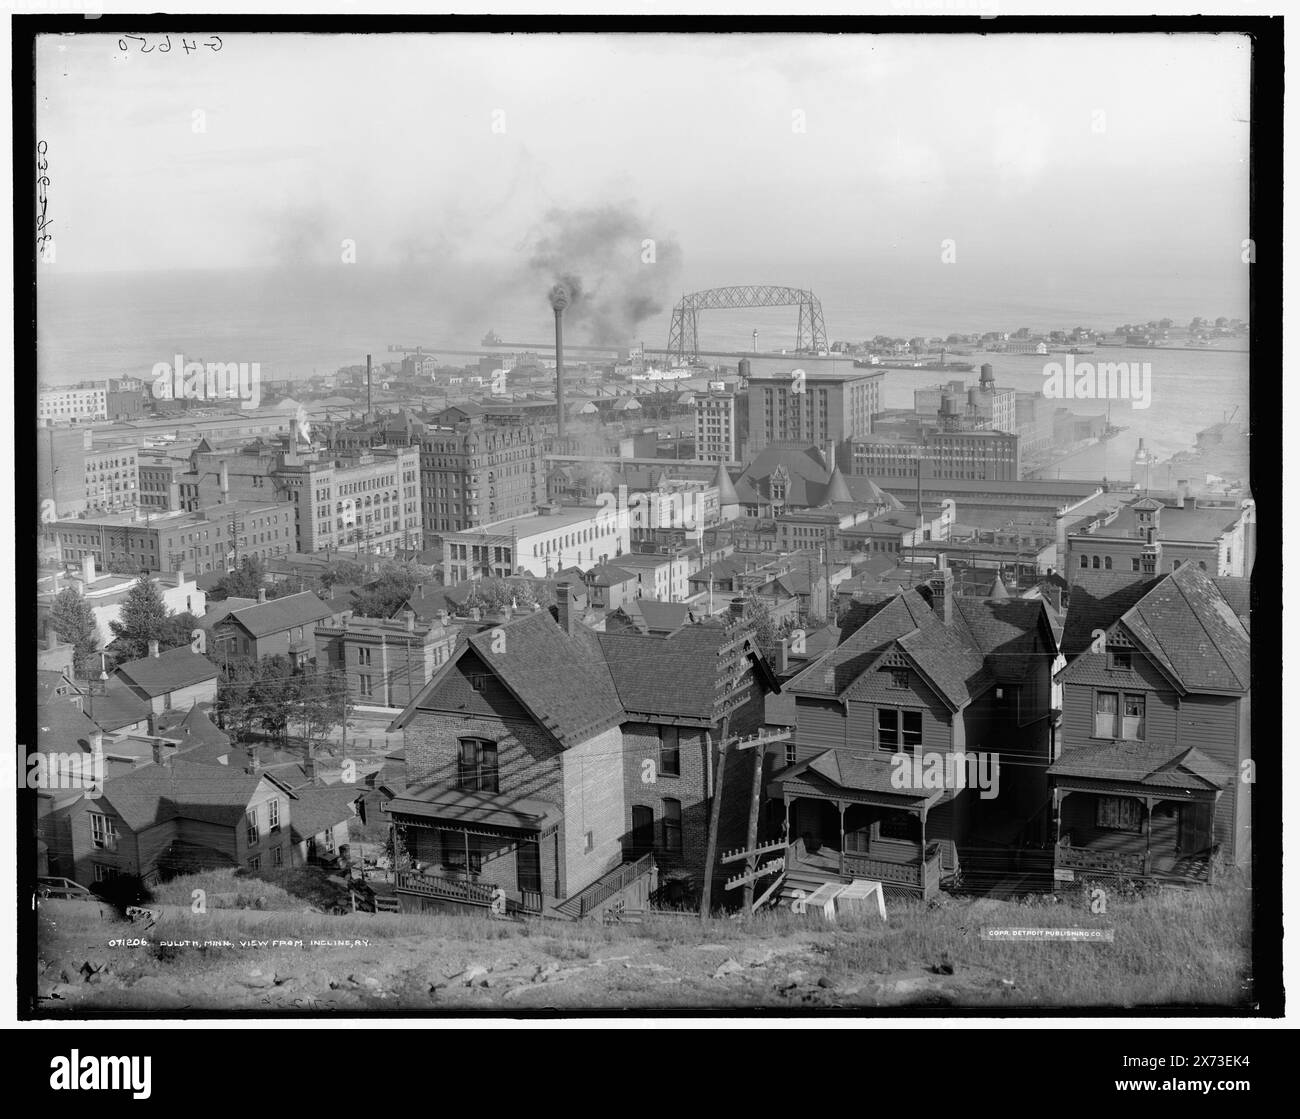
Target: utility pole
pixel 715 815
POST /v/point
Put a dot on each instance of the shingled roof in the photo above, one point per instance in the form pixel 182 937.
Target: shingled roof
pixel 945 656
pixel 1007 631
pixel 167 672
pixel 673 676
pixel 1185 625
pixel 1097 600
pixel 281 613
pixel 1163 766
pixel 318 807
pixel 154 794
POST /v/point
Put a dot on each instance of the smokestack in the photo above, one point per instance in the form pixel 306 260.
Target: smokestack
pixel 369 407
pixel 559 301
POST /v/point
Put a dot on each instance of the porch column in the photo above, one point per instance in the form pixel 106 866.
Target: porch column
pixel 1146 862
pixel 924 871
pixel 465 836
pixel 840 805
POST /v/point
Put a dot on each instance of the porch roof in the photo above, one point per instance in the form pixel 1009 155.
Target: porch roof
pixel 453 807
pixel 1143 763
pixel 838 774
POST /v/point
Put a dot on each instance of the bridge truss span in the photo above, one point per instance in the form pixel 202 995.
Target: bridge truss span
pixel 683 338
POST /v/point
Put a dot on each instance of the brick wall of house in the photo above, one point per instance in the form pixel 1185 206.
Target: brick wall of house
pixel 528 758
pixel 593 803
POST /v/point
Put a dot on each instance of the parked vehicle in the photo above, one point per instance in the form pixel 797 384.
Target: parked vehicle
pixel 62 888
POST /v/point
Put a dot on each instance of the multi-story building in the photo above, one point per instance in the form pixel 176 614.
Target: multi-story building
pixel 1152 537
pixel 386 661
pixel 84 403
pixel 818 408
pixel 721 426
pixel 79 473
pixel 160 482
pixel 983 455
pixel 106 594
pixel 539 543
pixel 211 539
pixel 479 473
pixel 364 498
pixel 984 404
pixel 125 398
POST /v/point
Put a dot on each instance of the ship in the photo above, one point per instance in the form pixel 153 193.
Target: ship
pixel 942 366
pixel 491 338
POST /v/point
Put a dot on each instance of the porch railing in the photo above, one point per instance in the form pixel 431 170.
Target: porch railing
pixel 1106 862
pixel 606 887
pixel 448 889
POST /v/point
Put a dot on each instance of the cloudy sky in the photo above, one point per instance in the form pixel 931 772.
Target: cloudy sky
pixel 1107 153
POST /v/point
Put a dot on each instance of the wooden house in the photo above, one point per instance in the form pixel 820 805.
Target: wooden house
pixel 1151 780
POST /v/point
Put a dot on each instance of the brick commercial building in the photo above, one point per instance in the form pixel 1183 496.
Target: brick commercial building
pixel 80 472
pixel 83 403
pixel 820 408
pixel 386 660
pixel 211 539
pixel 538 543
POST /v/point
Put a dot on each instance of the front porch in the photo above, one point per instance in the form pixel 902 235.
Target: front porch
pixel 1112 835
pixel 466 851
pixel 837 832
pixel 1136 810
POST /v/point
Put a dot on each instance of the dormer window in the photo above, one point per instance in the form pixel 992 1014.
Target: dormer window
pixel 1121 658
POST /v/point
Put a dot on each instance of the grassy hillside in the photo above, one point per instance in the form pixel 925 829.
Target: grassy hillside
pixel 1173 948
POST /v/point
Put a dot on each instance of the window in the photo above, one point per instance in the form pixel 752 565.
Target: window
pixel 589 841
pixel 643 828
pixel 673 826
pixel 329 840
pixel 103 832
pixel 1103 723
pixel 273 809
pixel 1119 814
pixel 253 835
pixel 478 682
pixel 104 873
pixel 897 729
pixel 1096 563
pixel 367 686
pixel 1135 707
pixel 1137 564
pixel 896 824
pixel 1108 563
pixel 478 768
pixel 255 863
pixel 363 656
pixel 454 851
pixel 1121 659
pixel 898 678
pixel 277 857
pixel 670 753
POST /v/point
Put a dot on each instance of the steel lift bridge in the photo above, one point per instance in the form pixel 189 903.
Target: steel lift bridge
pixel 683 338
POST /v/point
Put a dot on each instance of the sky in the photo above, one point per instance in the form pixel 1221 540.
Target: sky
pixel 744 158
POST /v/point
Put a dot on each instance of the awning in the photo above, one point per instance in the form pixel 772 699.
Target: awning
pixel 434 805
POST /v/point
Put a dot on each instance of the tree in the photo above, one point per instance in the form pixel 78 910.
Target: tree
pixel 342 571
pixel 235 710
pixel 320 704
pixel 272 695
pixel 74 623
pixel 244 582
pixel 386 595
pixel 144 619
pixel 177 630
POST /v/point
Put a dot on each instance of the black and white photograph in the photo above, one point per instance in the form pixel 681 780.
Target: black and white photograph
pixel 648 519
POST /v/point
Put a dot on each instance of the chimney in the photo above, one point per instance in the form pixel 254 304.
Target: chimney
pixel 157 751
pixel 443 617
pixel 737 607
pixel 409 616
pixel 309 768
pixel 261 594
pixel 254 761
pixel 153 649
pixel 783 657
pixel 153 723
pixel 51 638
pixel 941 594
pixel 565 611
pixel 87 571
pixel 225 483
pixel 97 741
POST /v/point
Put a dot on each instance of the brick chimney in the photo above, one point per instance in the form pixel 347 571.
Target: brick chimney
pixel 152 723
pixel 309 768
pixel 157 751
pixel 565 610
pixel 153 649
pixel 409 617
pixel 940 584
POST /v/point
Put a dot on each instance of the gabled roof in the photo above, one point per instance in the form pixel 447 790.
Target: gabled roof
pixel 62 728
pixel 561 678
pixel 169 671
pixel 609 575
pixel 1098 599
pixel 1185 623
pixel 946 657
pixel 1144 763
pixel 153 794
pixel 810 483
pixel 119 706
pixel 1013 633
pixel 649 615
pixel 858 771
pixel 281 613
pixel 318 807
pixel 676 675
